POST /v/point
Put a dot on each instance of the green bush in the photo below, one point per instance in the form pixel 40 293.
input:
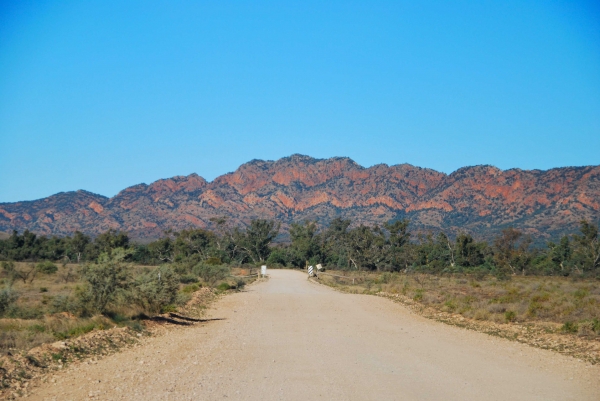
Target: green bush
pixel 182 267
pixel 211 273
pixel 28 312
pixel 155 290
pixel 65 303
pixel 46 267
pixel 79 330
pixel 7 299
pixel 8 267
pixel 510 316
pixel 188 278
pixel 105 280
pixel 37 328
pixel 570 327
pixel 168 308
pixel 223 287
pixel 19 273
pixel 188 289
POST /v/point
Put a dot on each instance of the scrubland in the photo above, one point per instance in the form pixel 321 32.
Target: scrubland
pixel 551 312
pixel 45 308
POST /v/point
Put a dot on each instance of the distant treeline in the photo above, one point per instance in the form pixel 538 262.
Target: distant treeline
pixel 391 247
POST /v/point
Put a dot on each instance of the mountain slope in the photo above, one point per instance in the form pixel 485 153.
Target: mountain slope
pixel 480 199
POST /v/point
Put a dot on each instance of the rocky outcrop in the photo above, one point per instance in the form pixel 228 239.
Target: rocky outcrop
pixel 480 199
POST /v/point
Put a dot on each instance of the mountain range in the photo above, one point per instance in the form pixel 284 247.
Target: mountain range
pixel 480 200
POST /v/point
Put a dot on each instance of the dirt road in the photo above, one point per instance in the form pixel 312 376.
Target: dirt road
pixel 290 339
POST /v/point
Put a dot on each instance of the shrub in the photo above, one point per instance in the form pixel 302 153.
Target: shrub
pixel 79 329
pixel 481 314
pixel 183 298
pixel 570 327
pixel 188 289
pixel 533 308
pixel 510 316
pixel 188 278
pixel 450 305
pixel 7 299
pixel 213 261
pixel 586 328
pixel 28 312
pixel 182 267
pixel 8 267
pixel 65 303
pixel 19 273
pixel 155 290
pixel 168 308
pixel 47 267
pixel 211 273
pixel 43 289
pixel 67 274
pixel 223 287
pixel 37 328
pixel 105 280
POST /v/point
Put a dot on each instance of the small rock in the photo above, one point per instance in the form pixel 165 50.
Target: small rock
pixel 59 345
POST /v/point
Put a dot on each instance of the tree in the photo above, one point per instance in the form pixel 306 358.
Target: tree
pixel 77 246
pixel 560 254
pixel 399 239
pixel 511 250
pixel 19 273
pixel 305 247
pixel 163 249
pixel 434 253
pixel 194 241
pixel 255 240
pixel 334 244
pixel 370 248
pixel 586 255
pixel 112 239
pixel 468 252
pixel 360 242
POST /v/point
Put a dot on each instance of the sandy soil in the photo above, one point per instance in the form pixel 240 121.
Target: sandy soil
pixel 290 339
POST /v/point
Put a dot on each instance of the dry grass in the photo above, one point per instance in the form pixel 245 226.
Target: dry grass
pixel 551 313
pixel 21 334
pixel 573 305
pixel 37 318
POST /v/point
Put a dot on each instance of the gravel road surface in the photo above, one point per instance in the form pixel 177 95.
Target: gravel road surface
pixel 291 339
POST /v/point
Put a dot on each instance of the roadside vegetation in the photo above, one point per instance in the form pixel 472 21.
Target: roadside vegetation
pixel 57 288
pixel 85 284
pixel 568 306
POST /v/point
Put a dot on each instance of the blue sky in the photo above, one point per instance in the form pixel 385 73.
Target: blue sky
pixel 101 95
